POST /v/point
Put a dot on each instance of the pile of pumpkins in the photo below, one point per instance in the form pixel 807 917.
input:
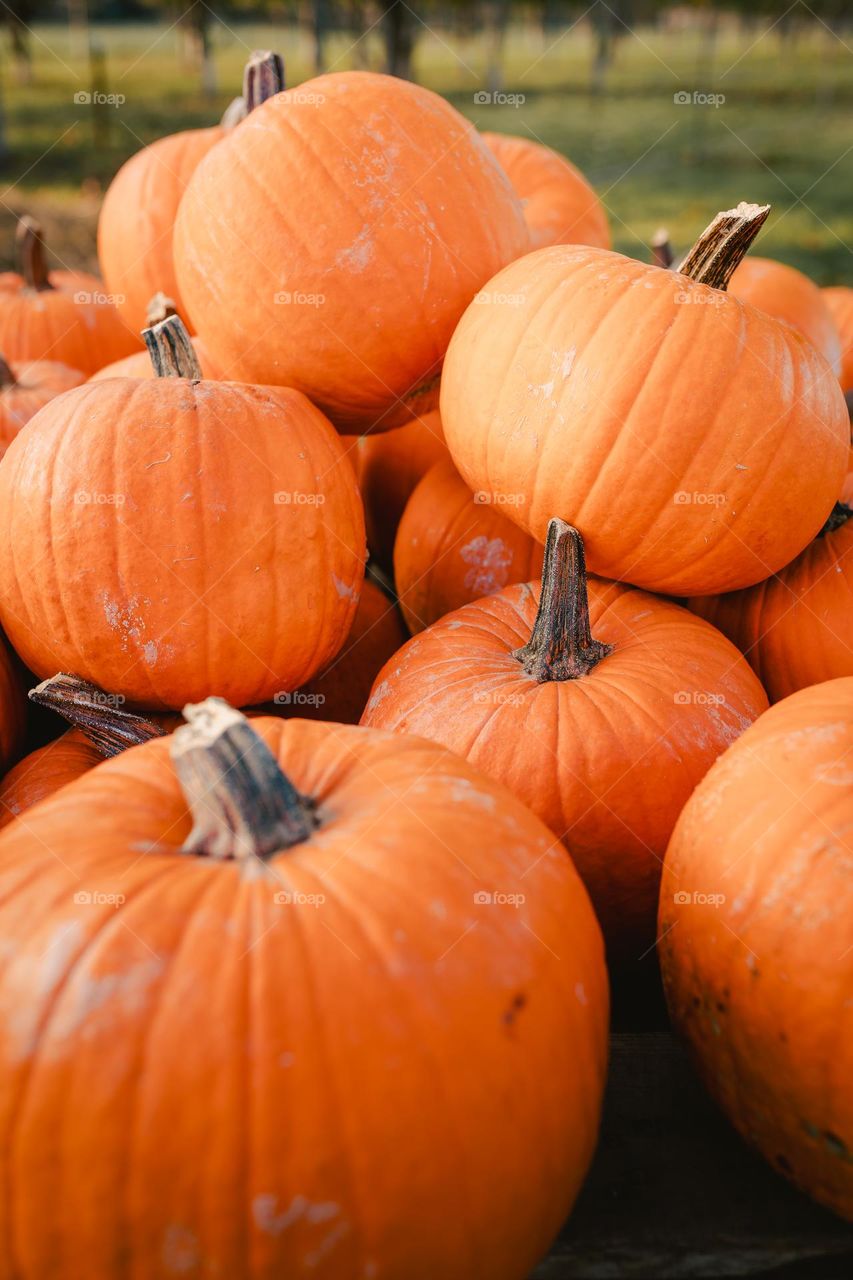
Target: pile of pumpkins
pixel 314 980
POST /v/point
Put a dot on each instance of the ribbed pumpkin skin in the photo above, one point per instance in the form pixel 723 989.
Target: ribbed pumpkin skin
pixel 388 466
pixel 787 294
pixel 560 207
pixel 760 983
pixel 840 302
pixel 44 771
pixel 139 365
pixel 138 217
pixel 51 325
pixel 452 549
pixel 591 391
pixel 795 627
pixel 37 382
pixel 606 761
pixel 364 191
pixel 176 1036
pixel 182 574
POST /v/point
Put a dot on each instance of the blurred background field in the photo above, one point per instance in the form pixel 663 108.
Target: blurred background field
pixel 767 116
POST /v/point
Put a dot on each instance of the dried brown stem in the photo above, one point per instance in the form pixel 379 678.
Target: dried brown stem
pixel 723 244
pixel 101 716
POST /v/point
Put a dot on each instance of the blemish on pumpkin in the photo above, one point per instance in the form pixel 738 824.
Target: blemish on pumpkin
pixel 518 1002
pixel 272 1222
pixel 836 1145
pixel 580 993
pixel 180 1250
pixel 344 590
pixel 490 560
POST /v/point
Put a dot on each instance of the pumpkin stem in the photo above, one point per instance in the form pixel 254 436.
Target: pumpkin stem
pixel 233 114
pixel 31 254
pixel 7 377
pixel 723 245
pixel 561 646
pixel 170 349
pixel 100 716
pixel 242 804
pixel 838 516
pixel 661 246
pixel 263 78
pixel 160 308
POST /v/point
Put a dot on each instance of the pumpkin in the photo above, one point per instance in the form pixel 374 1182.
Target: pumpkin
pixel 452 548
pixel 165 537
pixel 138 213
pixel 347 224
pixel 341 691
pixel 24 388
pixel 560 207
pixel 62 316
pixel 102 728
pixel 388 466
pixel 840 302
pixel 787 294
pixel 598 705
pixel 321 915
pixel 697 443
pixel 755 951
pixel 795 628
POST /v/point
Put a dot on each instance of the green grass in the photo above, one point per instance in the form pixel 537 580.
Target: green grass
pixel 780 136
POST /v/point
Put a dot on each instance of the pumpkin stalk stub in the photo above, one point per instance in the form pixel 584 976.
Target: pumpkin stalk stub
pixel 561 646
pixel 661 246
pixel 31 255
pixel 171 351
pixel 263 78
pixel 99 715
pixel 159 308
pixel 838 516
pixel 242 804
pixel 723 245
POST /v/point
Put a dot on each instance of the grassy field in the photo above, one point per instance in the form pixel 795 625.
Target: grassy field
pixel 781 134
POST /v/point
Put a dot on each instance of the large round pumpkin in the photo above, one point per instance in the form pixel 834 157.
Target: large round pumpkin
pixel 697 443
pixel 165 538
pixel 345 225
pixel 795 627
pixel 786 293
pixel 452 548
pixel 839 299
pixel 341 967
pixel 560 207
pixel 604 735
pixel 64 316
pixel 388 465
pixel 25 388
pixel 755 909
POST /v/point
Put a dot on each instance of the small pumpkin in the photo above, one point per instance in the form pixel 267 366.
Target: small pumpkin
pixel 795 628
pixel 25 388
pixel 697 443
pixel 754 937
pixel 789 295
pixel 388 466
pixel 62 316
pixel 405 214
pixel 454 546
pixel 138 212
pixel 235 507
pixel 839 299
pixel 397 919
pixel 598 705
pixel 560 206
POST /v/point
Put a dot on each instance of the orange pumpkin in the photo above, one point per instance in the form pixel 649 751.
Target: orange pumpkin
pixel 62 316
pixel 24 388
pixel 453 547
pixel 138 213
pixel 603 737
pixel 388 467
pixel 235 508
pixel 377 916
pixel 351 300
pixel 139 365
pixel 840 302
pixel 795 627
pixel 787 294
pixel 560 207
pixel 697 443
pixel 755 911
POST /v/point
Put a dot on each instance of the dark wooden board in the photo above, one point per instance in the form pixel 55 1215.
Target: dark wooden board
pixel 673 1191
